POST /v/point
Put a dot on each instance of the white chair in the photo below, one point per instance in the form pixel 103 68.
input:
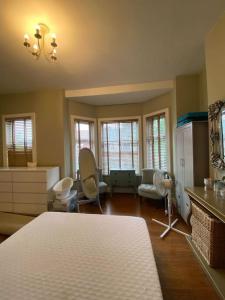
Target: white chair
pixel 101 184
pixel 64 195
pixel 88 181
pixel 147 188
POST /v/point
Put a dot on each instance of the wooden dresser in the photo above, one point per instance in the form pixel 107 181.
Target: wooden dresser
pixel 27 190
pixel 208 233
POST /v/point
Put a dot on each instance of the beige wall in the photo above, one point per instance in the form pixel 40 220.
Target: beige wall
pixel 81 109
pixel 123 110
pixel 203 93
pixel 215 61
pixel 49 111
pixel 215 69
pixel 191 93
pixel 187 94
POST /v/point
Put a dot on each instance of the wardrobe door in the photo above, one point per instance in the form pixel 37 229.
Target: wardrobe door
pixel 188 171
pixel 179 167
pixel 188 157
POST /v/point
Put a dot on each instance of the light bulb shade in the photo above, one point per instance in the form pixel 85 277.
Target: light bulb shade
pixel 53 36
pixel 26 36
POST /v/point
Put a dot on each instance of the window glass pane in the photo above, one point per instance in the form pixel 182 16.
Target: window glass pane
pixel 85 141
pixel 104 150
pixel 84 138
pixel 163 144
pixel 136 146
pixel 156 143
pixel 113 145
pixel 126 146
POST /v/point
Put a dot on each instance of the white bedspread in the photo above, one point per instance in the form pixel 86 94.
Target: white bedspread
pixel 79 256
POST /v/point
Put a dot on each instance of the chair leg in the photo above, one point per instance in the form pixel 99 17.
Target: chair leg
pixel 99 204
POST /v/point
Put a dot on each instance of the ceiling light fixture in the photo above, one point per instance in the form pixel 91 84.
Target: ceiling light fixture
pixel 39 46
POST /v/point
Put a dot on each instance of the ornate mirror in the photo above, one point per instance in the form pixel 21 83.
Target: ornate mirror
pixel 217 134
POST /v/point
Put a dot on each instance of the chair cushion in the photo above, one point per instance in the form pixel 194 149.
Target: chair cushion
pixel 147 176
pixel 148 191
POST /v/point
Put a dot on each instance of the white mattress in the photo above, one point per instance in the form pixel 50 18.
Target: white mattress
pixel 79 256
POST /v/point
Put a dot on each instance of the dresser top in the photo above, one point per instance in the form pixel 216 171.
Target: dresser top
pixel 26 169
pixel 210 200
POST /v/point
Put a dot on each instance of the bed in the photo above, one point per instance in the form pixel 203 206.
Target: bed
pixel 79 256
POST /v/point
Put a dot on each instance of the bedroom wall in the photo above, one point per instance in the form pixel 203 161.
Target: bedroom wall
pixel 187 94
pixel 122 110
pixel 215 69
pixel 81 109
pixel 215 61
pixel 203 92
pixel 49 109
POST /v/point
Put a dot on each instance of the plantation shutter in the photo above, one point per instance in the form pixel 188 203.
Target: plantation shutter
pixel 156 142
pixel 19 141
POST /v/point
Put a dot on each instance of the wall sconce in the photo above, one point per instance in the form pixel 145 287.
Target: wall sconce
pixel 39 46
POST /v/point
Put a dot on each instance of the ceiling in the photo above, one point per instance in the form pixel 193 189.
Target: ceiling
pixel 104 42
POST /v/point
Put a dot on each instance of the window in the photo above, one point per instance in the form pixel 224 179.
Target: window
pixel 119 145
pixel 18 141
pixel 156 141
pixel 83 137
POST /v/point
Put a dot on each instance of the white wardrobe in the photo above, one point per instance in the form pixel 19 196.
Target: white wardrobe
pixel 192 162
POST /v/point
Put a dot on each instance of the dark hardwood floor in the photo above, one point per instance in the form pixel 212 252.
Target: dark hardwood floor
pixel 180 274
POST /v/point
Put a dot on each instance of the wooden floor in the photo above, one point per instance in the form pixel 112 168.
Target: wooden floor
pixel 180 274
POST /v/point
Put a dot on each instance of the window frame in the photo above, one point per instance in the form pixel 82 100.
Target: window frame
pixel 167 117
pixel 73 118
pixel 34 143
pixel 117 119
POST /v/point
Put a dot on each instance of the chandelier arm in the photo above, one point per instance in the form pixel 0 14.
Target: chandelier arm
pixel 39 48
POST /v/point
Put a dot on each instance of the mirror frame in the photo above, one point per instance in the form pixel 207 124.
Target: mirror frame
pixel 216 154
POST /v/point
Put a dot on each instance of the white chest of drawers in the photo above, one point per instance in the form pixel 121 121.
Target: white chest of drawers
pixel 27 190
